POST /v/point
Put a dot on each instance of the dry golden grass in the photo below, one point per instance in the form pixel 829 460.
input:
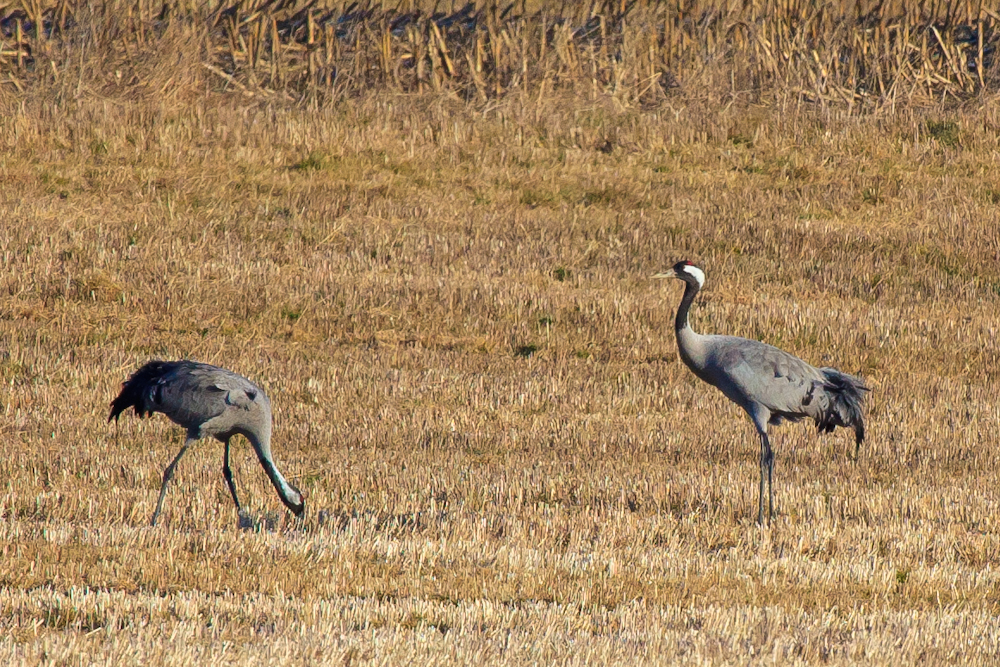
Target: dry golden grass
pixel 475 379
pixel 857 54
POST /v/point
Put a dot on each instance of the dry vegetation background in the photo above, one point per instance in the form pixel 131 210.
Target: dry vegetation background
pixel 430 238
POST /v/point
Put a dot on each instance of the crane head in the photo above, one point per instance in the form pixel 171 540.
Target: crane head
pixel 297 507
pixel 684 270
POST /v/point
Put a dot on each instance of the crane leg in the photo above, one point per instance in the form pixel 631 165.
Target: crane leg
pixel 228 474
pixel 770 479
pixel 766 473
pixel 167 474
pixel 760 494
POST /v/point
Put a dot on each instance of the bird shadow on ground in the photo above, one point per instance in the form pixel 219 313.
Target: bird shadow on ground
pixel 339 520
pixel 414 522
pixel 268 522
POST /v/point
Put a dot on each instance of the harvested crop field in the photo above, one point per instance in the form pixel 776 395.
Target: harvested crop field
pixel 432 241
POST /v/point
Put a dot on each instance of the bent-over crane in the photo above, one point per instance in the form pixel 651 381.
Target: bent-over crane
pixel 768 383
pixel 208 401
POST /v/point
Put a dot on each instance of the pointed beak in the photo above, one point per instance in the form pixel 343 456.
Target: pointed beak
pixel 664 275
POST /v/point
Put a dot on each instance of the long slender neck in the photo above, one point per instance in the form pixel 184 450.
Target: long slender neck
pixel 288 493
pixel 690 345
pixel 690 292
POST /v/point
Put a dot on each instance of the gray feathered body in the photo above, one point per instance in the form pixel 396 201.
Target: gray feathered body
pixel 754 375
pixel 208 401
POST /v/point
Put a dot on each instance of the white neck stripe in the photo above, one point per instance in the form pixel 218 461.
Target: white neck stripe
pixel 698 274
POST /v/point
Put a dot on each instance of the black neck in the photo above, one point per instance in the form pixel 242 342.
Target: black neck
pixel 690 291
pixel 280 485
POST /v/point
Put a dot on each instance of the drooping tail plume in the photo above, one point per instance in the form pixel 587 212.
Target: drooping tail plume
pixel 134 390
pixel 846 394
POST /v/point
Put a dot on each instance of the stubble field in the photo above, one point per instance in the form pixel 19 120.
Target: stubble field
pixel 476 382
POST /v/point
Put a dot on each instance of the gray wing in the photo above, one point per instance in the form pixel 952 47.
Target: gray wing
pixel 758 372
pixel 192 393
